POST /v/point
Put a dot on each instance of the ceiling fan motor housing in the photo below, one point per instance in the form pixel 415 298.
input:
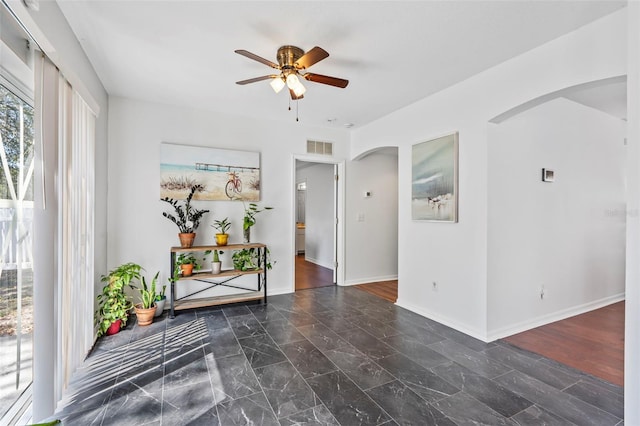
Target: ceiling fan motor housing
pixel 287 56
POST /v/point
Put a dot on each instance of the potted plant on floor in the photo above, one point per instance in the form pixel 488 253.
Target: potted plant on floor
pixel 186 217
pixel 161 298
pixel 113 304
pixel 250 219
pixel 146 309
pixel 222 226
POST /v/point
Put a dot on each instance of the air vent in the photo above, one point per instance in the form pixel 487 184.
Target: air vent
pixel 317 147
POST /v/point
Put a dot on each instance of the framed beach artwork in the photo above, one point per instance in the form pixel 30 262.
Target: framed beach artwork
pixel 224 174
pixel 434 180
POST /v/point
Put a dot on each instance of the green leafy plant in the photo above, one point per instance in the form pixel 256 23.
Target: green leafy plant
pixel 216 257
pixel 187 218
pixel 186 259
pixel 222 226
pixel 190 258
pixel 113 304
pixel 247 259
pixel 148 292
pixel 250 215
pixel 161 296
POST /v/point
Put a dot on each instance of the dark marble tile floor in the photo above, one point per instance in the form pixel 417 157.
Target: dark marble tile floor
pixel 326 356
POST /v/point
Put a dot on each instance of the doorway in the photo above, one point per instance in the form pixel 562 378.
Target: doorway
pixel 316 212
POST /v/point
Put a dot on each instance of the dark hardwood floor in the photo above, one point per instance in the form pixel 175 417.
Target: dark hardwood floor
pixel 387 290
pixel 592 342
pixel 310 275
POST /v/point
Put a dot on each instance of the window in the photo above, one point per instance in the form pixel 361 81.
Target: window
pixel 16 269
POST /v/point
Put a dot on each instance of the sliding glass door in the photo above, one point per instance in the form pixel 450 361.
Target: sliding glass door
pixel 16 216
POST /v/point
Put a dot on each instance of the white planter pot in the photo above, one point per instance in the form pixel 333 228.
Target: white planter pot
pixel 216 267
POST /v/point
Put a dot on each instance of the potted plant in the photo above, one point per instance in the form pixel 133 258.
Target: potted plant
pixel 216 265
pixel 222 226
pixel 146 309
pixel 250 219
pixel 186 217
pixel 160 301
pixel 187 262
pixel 113 304
pixel 247 259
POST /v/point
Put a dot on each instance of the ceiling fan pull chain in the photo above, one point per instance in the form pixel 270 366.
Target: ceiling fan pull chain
pixel 289 104
pixel 297 103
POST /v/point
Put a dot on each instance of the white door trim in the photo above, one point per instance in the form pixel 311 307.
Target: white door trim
pixel 340 211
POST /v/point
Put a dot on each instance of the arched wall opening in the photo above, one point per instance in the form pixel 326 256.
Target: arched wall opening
pixel 555 248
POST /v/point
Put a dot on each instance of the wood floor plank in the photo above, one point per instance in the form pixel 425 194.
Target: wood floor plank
pixel 387 290
pixel 310 275
pixel 592 342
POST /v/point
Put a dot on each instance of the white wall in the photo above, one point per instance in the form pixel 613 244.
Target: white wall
pixel 455 255
pixel 138 231
pixel 632 305
pixel 372 244
pixel 319 213
pixel 567 236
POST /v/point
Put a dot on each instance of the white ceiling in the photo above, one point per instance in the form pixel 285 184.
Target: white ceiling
pixel 394 53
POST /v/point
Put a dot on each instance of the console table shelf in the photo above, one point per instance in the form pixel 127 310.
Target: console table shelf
pixel 221 279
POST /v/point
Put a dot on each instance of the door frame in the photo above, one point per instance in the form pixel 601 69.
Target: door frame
pixel 340 199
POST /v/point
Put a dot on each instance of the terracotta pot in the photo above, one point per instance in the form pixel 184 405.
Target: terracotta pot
pixel 114 328
pixel 222 239
pixel 186 240
pixel 187 269
pixel 145 316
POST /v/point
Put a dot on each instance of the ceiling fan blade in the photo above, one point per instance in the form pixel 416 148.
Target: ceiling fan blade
pixel 313 56
pixel 257 58
pixel 294 97
pixel 325 79
pixel 256 79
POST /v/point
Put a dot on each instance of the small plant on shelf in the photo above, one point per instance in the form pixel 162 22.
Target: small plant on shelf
pixel 216 264
pixel 247 259
pixel 187 263
pixel 250 219
pixel 186 217
pixel 222 226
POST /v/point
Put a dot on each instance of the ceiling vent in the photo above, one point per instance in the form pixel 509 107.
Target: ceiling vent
pixel 317 147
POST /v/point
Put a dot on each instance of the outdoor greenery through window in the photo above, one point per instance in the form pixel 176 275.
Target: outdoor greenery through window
pixel 16 269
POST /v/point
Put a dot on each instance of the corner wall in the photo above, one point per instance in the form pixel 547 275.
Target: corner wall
pixel 555 249
pixel 455 255
pixel 372 222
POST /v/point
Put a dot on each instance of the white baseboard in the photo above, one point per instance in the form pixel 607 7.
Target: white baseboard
pixel 371 280
pixel 327 265
pixel 553 317
pixel 443 320
pixel 278 291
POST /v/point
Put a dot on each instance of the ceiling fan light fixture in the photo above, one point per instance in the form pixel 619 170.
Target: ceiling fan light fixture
pixel 294 84
pixel 277 84
pixel 292 81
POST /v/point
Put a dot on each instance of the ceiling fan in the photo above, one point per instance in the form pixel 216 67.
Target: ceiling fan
pixel 291 61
